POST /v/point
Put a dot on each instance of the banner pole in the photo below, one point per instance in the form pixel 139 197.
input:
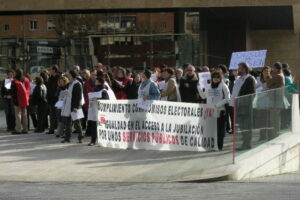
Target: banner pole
pixel 234 131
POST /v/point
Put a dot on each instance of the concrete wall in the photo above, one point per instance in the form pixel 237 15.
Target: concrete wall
pixel 21 5
pixel 282 45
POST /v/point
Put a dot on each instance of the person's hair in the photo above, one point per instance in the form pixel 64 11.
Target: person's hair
pixel 205 68
pixel 179 70
pixel 244 66
pixel 285 66
pixel 39 80
pixel 184 66
pixel 128 71
pixel 19 73
pixel 122 70
pixel 64 79
pixel 44 75
pixel 169 71
pixel 10 71
pixel 100 74
pixel 135 75
pixel 286 72
pixel 163 66
pixel 278 66
pixel 223 67
pixel 55 68
pixel 192 66
pixel 147 73
pixel 100 79
pixel 107 67
pixel 76 68
pixel 262 73
pixel 73 73
pixel 27 76
pixel 198 69
pixel 86 71
pixel 216 73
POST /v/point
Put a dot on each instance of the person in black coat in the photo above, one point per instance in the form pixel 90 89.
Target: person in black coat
pixel 132 92
pixel 52 97
pixel 188 86
pixel 93 124
pixel 39 98
pixel 8 105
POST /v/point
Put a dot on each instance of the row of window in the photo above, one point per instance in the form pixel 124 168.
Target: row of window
pixel 33 25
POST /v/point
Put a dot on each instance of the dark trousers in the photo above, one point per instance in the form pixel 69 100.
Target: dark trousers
pixel 245 126
pixel 84 120
pixel 92 130
pixel 41 117
pixel 221 121
pixel 67 124
pixel 9 114
pixel 31 114
pixel 53 118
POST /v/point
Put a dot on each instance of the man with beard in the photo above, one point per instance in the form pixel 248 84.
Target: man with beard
pixel 244 85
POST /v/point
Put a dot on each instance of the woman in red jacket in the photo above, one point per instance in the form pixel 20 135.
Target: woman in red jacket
pixel 20 96
pixel 89 86
pixel 121 84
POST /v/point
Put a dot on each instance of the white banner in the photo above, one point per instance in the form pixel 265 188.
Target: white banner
pixel 255 59
pixel 171 126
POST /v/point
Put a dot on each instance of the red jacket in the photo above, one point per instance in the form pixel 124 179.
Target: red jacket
pixel 26 83
pixel 87 89
pixel 121 92
pixel 22 92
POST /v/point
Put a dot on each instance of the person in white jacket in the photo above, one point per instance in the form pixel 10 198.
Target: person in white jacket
pixel 217 94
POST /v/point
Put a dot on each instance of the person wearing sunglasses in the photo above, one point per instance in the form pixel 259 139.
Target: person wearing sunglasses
pixel 217 94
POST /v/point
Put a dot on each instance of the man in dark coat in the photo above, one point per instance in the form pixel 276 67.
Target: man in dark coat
pixel 244 85
pixel 52 97
pixel 8 105
pixel 188 86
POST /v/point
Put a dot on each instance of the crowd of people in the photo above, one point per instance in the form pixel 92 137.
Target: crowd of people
pixel 59 101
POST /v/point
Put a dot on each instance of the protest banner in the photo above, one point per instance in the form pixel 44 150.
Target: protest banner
pixel 255 59
pixel 204 79
pixel 171 126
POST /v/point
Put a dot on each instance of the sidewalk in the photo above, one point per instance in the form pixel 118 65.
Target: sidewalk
pixel 40 157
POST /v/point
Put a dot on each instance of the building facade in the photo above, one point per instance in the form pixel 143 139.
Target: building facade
pixel 139 33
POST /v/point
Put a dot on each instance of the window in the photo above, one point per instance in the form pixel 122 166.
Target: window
pixel 5 27
pixel 123 24
pixel 33 25
pixel 51 24
pixel 163 25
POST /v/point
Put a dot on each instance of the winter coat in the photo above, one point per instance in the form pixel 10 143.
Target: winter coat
pixel 20 89
pixel 89 86
pixel 52 88
pixel 39 95
pixel 218 96
pixel 189 94
pixel 133 90
pixel 121 92
pixel 74 99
